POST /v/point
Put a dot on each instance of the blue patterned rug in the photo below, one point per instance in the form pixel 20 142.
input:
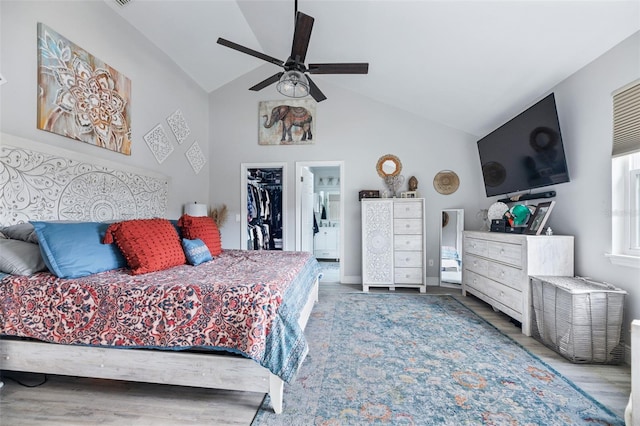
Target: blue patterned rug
pixel 405 359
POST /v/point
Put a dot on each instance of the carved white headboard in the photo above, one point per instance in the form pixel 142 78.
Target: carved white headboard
pixel 38 182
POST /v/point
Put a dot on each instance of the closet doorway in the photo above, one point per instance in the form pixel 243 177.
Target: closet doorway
pixel 263 201
pixel 320 214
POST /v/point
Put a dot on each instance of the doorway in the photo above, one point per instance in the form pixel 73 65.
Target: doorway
pixel 322 199
pixel 263 195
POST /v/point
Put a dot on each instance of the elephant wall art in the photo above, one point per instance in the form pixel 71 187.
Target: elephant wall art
pixel 286 122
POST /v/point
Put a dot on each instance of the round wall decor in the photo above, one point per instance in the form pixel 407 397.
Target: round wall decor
pixel 446 182
pixel 388 165
pixel 445 219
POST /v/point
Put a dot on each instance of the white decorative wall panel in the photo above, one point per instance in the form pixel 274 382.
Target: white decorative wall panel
pixel 40 186
pixel 159 143
pixel 196 157
pixel 179 126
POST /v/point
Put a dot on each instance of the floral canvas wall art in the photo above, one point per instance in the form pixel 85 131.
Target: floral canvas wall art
pixel 81 97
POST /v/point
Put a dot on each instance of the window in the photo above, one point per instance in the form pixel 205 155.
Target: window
pixel 625 180
pixel 634 197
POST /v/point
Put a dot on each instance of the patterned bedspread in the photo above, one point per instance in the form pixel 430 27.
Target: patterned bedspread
pixel 247 302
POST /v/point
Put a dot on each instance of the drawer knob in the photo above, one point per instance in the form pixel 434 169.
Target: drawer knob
pixel 407 259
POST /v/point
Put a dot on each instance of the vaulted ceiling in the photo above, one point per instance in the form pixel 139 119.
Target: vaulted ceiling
pixel 466 64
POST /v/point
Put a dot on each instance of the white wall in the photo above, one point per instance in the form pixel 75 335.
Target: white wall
pixel 583 206
pixel 349 127
pixel 357 130
pixel 158 87
pixel 353 129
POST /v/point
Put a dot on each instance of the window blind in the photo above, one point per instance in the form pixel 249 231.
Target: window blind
pixel 626 120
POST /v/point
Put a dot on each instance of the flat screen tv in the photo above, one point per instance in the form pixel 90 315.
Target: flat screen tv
pixel 524 153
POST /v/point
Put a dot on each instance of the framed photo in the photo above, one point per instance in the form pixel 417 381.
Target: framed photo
pixel 409 194
pixel 539 218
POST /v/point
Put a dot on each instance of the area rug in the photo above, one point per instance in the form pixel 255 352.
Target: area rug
pixel 405 359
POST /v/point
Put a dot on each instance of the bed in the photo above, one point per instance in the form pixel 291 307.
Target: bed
pixel 235 322
pixel 450 265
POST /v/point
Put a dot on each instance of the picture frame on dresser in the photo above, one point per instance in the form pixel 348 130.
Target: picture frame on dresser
pixel 539 218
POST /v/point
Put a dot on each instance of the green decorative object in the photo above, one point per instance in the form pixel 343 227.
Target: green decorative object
pixel 520 214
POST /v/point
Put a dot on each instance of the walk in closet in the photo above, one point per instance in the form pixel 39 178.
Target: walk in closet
pixel 264 208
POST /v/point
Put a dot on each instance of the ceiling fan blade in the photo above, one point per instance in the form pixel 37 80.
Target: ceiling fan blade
pixel 343 68
pixel 267 82
pixel 301 37
pixel 251 52
pixel 315 92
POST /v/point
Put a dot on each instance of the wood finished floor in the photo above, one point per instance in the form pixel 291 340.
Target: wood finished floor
pixel 79 401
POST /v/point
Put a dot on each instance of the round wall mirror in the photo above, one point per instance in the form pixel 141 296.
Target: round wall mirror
pixel 388 165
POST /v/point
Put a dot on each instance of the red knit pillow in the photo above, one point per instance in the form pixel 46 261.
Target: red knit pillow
pixel 147 244
pixel 204 228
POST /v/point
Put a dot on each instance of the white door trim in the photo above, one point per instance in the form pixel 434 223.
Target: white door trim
pixel 343 225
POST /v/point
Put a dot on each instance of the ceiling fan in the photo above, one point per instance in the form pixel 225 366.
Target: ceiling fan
pixel 294 81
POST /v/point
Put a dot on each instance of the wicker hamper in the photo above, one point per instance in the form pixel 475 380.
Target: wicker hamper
pixel 578 318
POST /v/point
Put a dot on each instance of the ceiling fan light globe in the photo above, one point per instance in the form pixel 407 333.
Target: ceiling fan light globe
pixel 293 84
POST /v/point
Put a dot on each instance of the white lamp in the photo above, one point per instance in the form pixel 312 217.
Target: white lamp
pixel 196 209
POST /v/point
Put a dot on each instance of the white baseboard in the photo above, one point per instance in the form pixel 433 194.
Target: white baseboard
pixel 352 279
pixel 356 279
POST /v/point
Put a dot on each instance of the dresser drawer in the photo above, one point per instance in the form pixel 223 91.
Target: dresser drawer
pixel 507 275
pixel 407 242
pixel 474 246
pixel 476 264
pixel 325 254
pixel 407 226
pixel 408 275
pixel 505 252
pixel 502 294
pixel 404 259
pixel 407 209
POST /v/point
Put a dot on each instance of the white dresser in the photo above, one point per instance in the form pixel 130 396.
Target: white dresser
pixel 393 243
pixel 326 243
pixel 497 266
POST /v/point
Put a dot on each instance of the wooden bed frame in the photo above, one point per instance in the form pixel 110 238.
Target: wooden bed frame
pixel 198 369
pixel 27 158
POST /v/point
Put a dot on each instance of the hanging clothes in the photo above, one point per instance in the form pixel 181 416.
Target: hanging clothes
pixel 264 205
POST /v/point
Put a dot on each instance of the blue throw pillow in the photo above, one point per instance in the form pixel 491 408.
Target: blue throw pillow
pixel 196 251
pixel 75 249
